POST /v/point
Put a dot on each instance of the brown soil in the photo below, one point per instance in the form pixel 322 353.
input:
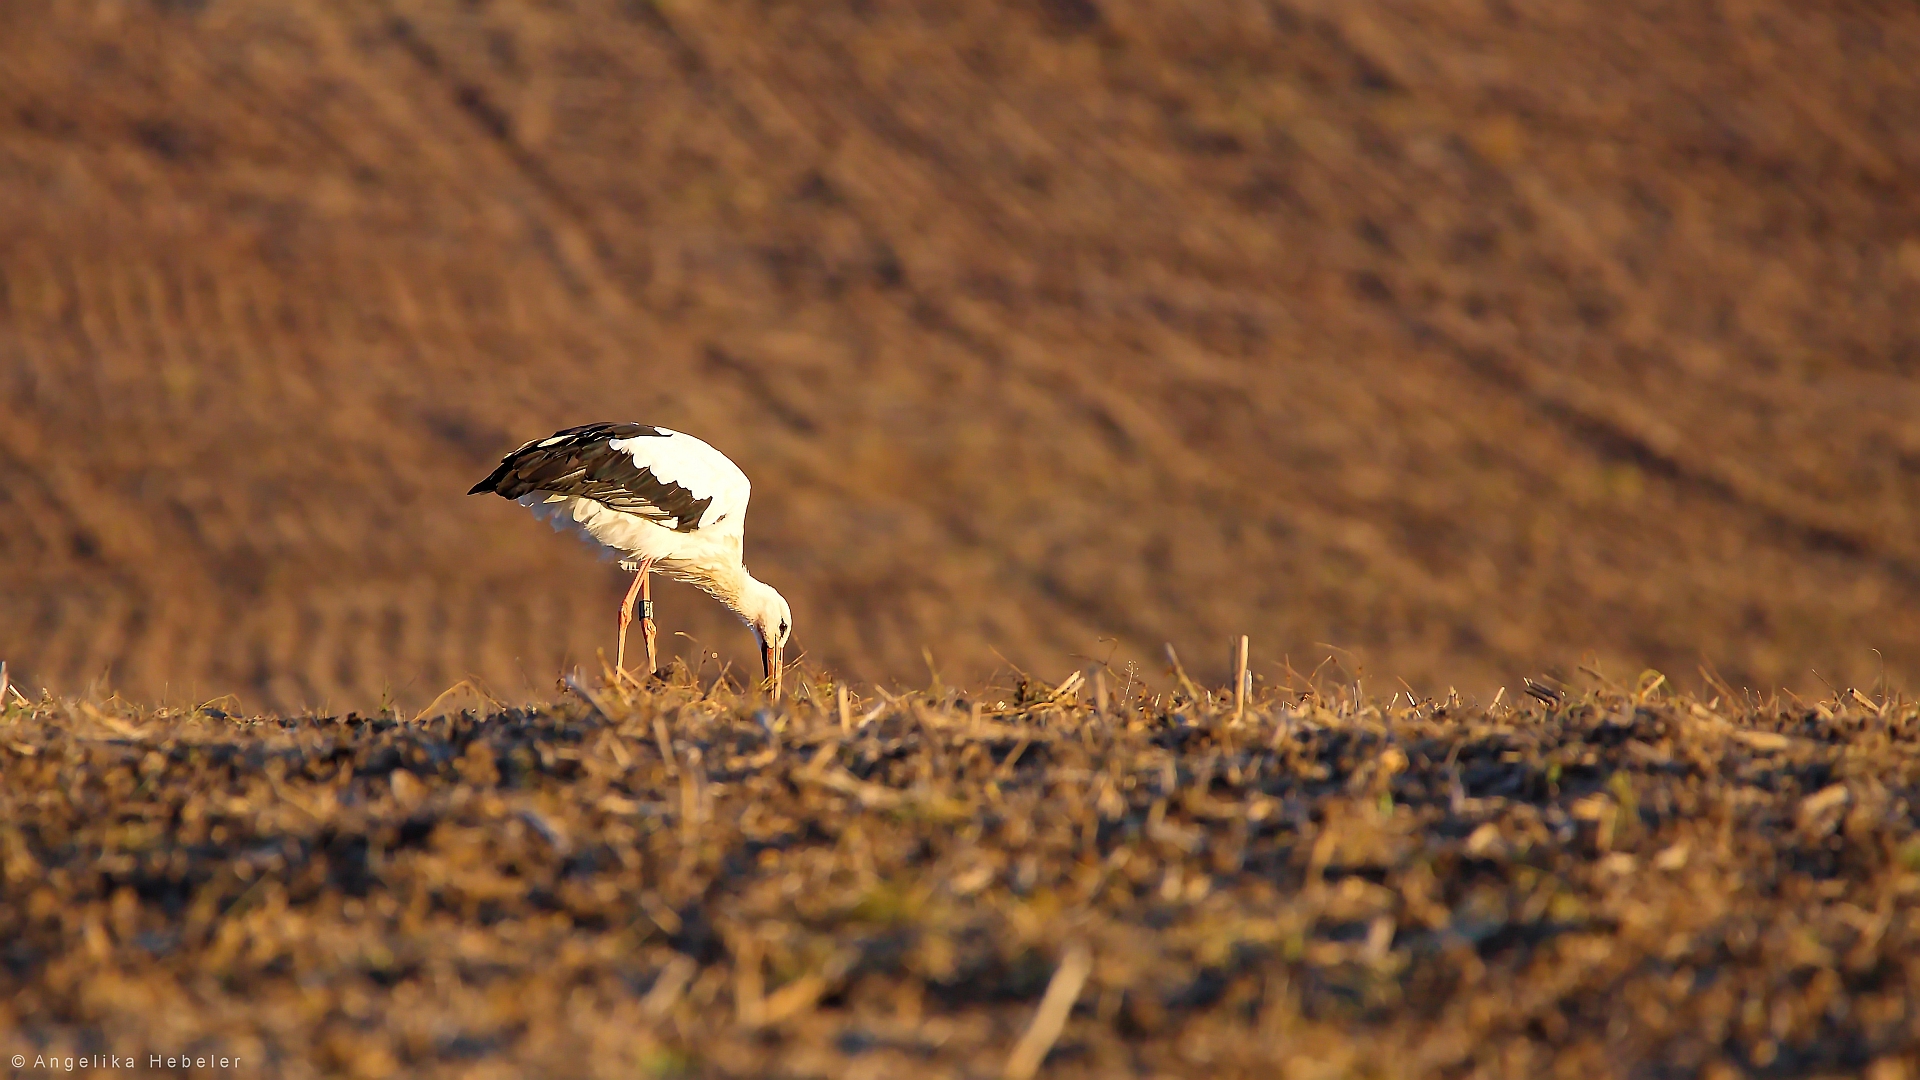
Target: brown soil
pixel 1470 337
pixel 685 883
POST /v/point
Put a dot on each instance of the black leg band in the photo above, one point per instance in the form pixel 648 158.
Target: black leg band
pixel 646 609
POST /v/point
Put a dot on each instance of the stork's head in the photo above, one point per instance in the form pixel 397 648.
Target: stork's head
pixel 767 612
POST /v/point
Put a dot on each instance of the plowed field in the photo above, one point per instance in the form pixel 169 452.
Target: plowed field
pixel 1471 338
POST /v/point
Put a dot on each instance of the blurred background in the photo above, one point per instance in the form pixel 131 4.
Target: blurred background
pixel 1460 339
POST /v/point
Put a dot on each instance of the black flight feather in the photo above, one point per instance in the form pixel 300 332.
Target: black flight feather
pixel 580 462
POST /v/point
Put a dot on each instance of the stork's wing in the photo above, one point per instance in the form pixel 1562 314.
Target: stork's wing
pixel 665 476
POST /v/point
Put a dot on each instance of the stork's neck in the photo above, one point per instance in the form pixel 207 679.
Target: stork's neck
pixel 728 584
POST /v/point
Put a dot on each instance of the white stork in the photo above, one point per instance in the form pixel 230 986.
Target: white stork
pixel 656 500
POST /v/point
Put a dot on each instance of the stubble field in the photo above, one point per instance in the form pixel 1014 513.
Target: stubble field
pixel 686 881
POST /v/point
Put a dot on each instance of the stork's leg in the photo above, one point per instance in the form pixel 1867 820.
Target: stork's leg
pixel 646 614
pixel 626 616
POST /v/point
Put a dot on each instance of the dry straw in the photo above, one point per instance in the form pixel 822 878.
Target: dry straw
pixel 1050 1019
pixel 1240 680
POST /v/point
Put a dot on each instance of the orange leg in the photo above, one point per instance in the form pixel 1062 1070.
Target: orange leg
pixel 646 615
pixel 640 587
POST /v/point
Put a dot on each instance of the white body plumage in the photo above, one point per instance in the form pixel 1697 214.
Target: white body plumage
pixel 717 537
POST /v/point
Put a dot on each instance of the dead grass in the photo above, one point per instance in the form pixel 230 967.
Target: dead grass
pixel 684 881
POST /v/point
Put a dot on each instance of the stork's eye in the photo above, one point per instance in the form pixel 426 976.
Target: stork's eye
pixel 783 628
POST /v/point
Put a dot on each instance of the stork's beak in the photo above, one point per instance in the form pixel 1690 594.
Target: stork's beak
pixel 770 656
